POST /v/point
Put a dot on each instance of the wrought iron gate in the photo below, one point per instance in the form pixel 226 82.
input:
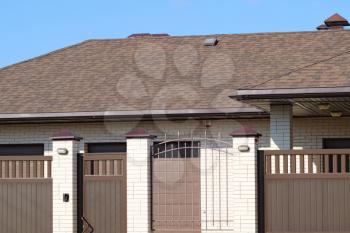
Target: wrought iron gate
pixel 190 184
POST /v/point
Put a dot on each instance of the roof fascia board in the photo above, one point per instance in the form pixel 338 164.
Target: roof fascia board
pixel 245 94
pixel 154 113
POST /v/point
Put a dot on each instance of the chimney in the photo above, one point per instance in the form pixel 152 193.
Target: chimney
pixel 336 21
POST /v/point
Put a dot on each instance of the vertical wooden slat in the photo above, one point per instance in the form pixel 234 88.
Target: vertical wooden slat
pixel 285 164
pixel 268 164
pixel 326 163
pixel 310 165
pixel 277 164
pixel 302 164
pixel 318 164
pixel 120 168
pixel 87 167
pixel 6 169
pixel 49 169
pixel 108 167
pixel 95 171
pixel 31 169
pixel 17 169
pixel 100 167
pixel 343 164
pixel 293 161
pixel 40 169
pixel 335 167
pixel 11 170
pixel 115 166
pixel 35 175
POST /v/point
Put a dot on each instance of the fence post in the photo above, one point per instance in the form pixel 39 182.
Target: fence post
pixel 245 157
pixel 65 146
pixel 139 181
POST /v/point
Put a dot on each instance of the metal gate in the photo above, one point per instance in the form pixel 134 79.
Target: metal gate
pixel 190 184
pixel 103 199
pixel 25 194
pixel 305 191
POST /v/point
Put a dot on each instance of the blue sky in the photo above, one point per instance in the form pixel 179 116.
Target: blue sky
pixel 33 27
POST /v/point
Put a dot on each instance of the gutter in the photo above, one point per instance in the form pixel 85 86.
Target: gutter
pixel 278 93
pixel 128 115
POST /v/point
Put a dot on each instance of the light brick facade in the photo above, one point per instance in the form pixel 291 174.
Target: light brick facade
pixel 64 176
pixel 281 127
pixel 138 185
pixel 245 185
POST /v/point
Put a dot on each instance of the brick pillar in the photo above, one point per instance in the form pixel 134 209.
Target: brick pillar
pixel 281 127
pixel 65 147
pixel 245 207
pixel 138 181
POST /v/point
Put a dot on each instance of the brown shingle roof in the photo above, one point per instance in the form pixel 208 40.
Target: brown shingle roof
pixel 156 73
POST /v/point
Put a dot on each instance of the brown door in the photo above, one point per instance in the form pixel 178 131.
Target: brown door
pixel 176 187
pixel 104 193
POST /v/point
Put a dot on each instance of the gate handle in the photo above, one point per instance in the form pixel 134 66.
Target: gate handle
pixel 89 225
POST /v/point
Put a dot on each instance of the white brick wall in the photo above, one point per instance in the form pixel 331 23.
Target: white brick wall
pixel 138 185
pixel 64 175
pixel 244 186
pixel 281 127
pixel 307 132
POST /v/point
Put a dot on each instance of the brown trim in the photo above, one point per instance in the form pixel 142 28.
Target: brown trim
pixel 136 113
pixel 261 191
pixel 104 156
pixel 26 158
pixel 308 152
pixel 278 93
pixel 35 180
pixel 308 176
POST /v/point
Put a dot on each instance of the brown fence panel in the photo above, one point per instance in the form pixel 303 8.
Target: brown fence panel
pixel 104 197
pixel 25 203
pixel 311 195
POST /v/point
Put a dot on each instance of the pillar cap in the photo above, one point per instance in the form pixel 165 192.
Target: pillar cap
pixel 245 132
pixel 139 133
pixel 65 134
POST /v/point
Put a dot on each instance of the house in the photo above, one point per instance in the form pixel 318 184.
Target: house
pixel 217 133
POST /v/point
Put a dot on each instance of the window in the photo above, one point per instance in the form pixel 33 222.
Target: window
pixel 337 143
pixel 21 149
pixel 106 147
pixel 176 149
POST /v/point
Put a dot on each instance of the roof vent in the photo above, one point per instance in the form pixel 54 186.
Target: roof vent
pixel 210 42
pixel 138 35
pixel 336 21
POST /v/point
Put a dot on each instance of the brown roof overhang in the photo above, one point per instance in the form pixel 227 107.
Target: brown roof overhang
pixel 130 115
pixel 287 93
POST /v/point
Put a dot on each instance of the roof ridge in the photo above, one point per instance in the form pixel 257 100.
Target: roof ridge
pixel 44 55
pixel 224 34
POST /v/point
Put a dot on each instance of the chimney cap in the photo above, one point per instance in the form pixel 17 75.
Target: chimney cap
pixel 336 20
pixel 323 27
